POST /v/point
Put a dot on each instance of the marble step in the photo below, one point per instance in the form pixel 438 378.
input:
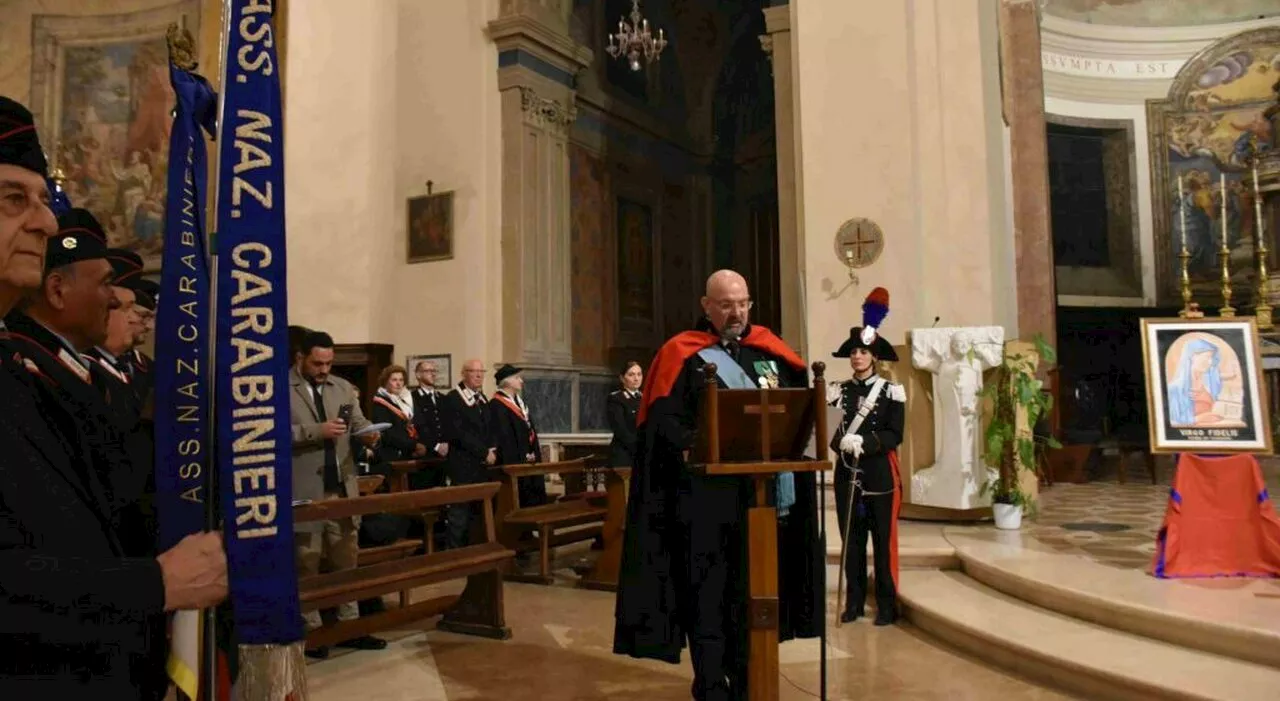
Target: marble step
pixel 1219 616
pixel 1081 657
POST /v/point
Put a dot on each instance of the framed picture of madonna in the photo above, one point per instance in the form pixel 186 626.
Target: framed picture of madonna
pixel 1205 392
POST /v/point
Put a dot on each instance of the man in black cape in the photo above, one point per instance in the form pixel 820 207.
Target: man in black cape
pixel 684 562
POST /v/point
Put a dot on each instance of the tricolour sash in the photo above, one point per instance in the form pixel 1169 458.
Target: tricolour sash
pixel 734 377
pixel 255 475
pixel 518 411
pixel 413 430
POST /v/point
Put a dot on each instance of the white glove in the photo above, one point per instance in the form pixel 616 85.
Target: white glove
pixel 851 444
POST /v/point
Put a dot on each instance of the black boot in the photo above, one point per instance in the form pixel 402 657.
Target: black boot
pixel 852 614
pixel 886 617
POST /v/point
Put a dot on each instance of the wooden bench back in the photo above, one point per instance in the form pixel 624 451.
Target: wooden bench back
pixel 367 576
pixel 509 492
pixel 478 610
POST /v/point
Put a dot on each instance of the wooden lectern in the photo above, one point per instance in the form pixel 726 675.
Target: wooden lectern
pixel 758 434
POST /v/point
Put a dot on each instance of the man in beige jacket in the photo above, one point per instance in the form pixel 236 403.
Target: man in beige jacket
pixel 324 412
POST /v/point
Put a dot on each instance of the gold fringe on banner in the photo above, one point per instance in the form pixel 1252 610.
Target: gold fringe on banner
pixel 271 673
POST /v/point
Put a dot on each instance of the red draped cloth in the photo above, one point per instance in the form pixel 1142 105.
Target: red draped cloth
pixel 1219 521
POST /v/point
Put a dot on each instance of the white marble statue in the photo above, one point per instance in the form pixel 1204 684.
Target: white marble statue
pixel 956 357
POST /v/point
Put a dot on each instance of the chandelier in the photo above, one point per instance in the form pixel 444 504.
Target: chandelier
pixel 634 40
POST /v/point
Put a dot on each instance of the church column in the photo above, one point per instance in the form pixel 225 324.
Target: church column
pixel 537 65
pixel 777 43
pixel 1023 90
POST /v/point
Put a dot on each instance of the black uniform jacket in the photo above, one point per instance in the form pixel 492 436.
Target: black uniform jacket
pixel 73 606
pixel 621 409
pixel 881 431
pixel 467 429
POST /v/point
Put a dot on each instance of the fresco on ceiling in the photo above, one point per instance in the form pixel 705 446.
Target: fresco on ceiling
pixel 1161 13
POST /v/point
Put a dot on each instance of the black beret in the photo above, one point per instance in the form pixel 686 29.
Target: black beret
pixel 506 371
pixel 128 267
pixel 72 247
pixel 145 300
pixel 19 143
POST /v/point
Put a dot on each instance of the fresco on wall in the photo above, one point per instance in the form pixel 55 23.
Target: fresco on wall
pixel 1204 131
pixel 1160 13
pixel 100 91
pixel 589 284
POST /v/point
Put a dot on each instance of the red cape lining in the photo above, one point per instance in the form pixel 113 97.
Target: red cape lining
pixel 669 361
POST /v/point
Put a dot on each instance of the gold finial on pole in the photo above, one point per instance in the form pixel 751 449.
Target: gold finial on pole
pixel 1185 255
pixel 1225 253
pixel 182 47
pixel 1262 310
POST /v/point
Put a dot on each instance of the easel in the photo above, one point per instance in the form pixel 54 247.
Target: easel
pixel 758 434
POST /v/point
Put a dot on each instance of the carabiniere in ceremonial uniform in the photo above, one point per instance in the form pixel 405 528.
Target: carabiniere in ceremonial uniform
pixel 868 485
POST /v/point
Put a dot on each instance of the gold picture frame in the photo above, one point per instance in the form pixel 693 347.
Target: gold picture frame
pixel 429 227
pixel 1205 389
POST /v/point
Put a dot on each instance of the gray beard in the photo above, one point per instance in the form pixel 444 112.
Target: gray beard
pixel 730 336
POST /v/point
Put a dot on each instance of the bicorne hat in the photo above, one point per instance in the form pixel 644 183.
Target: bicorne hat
pixel 874 310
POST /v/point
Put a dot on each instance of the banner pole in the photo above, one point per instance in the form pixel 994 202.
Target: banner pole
pixel 209 629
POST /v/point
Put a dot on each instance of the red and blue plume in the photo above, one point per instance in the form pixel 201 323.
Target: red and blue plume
pixel 876 308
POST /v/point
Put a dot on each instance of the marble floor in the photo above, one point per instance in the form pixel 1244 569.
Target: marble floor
pixel 562 636
pixel 560 649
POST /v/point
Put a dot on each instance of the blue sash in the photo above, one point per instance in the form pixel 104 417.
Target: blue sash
pixel 182 320
pixel 255 472
pixel 733 376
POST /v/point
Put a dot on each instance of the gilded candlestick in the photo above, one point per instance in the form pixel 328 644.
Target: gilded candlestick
pixel 1185 255
pixel 1262 310
pixel 1225 253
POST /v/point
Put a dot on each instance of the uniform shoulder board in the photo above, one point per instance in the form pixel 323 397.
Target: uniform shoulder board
pixel 835 393
pixel 897 392
pixel 615 393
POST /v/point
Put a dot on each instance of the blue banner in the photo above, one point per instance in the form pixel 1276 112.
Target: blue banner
pixel 182 320
pixel 58 200
pixel 251 351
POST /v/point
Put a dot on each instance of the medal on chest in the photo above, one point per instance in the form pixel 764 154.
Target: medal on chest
pixel 767 370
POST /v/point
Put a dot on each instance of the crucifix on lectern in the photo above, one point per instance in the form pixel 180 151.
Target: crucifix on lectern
pixel 760 434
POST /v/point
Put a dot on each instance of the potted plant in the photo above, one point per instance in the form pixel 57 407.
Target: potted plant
pixel 1014 386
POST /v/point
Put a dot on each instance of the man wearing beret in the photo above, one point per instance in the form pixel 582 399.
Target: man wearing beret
pixel 74 606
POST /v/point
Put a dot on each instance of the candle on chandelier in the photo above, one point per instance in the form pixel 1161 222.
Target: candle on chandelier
pixel 1182 212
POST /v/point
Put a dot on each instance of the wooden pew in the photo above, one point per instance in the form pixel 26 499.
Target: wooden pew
pixel 369 484
pixel 604 574
pixel 401 470
pixel 546 526
pixel 478 610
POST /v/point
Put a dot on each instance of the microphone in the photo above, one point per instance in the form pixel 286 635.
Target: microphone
pixel 936 319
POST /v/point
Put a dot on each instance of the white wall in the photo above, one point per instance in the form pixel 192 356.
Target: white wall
pixel 899 122
pixel 379 101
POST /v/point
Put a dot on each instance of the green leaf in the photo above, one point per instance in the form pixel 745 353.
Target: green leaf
pixel 1052 443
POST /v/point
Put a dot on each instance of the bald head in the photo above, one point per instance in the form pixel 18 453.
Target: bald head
pixel 727 303
pixel 724 282
pixel 473 374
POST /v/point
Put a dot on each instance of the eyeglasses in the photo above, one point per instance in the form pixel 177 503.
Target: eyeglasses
pixel 727 306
